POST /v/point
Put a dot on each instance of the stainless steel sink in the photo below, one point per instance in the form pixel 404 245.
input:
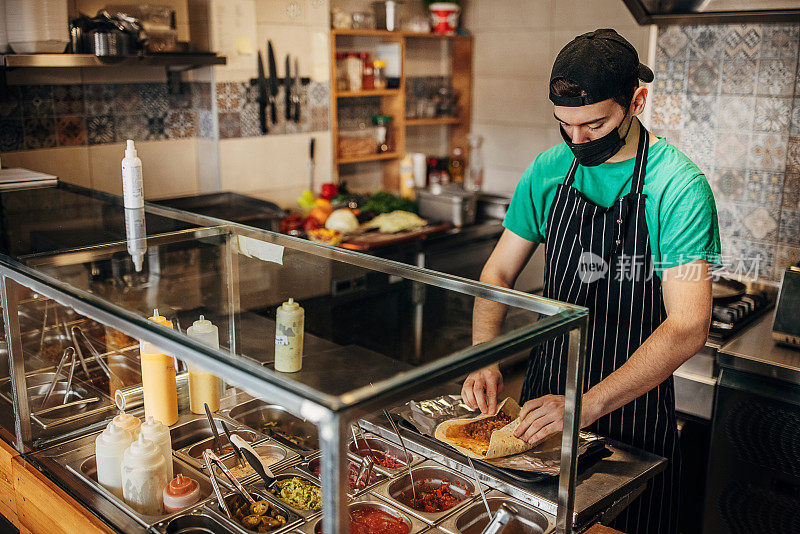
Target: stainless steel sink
pixel 277 423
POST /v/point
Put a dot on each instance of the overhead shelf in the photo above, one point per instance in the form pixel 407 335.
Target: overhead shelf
pixel 187 60
pixel 432 121
pixel 396 34
pixel 368 92
pixel 368 157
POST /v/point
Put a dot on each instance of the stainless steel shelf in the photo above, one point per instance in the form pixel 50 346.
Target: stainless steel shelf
pixel 185 60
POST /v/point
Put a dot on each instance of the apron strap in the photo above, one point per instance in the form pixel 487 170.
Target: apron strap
pixel 571 174
pixel 641 160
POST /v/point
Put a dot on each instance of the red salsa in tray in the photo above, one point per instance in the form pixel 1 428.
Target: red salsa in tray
pixel 432 499
pixel 383 459
pixel 375 521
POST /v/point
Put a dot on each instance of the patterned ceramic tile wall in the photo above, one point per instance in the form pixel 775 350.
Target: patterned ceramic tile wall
pixel 729 97
pixel 237 108
pixel 45 116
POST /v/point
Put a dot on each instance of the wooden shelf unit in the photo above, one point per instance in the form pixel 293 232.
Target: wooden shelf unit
pixel 393 101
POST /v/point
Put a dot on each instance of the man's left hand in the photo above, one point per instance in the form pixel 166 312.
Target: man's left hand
pixel 545 415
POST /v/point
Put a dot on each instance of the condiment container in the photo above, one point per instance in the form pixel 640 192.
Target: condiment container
pixel 128 422
pixel 379 74
pixel 289 327
pixel 144 477
pixel 407 178
pixel 354 70
pixel 158 379
pixel 156 432
pixel 132 182
pixel 109 447
pixel 367 74
pixel 180 493
pixel 203 386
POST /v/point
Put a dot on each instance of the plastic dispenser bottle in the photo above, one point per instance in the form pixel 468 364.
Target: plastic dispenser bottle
pixel 407 178
pixel 289 327
pixel 144 477
pixel 158 379
pixel 203 386
pixel 132 183
pixel 128 422
pixel 156 432
pixel 109 447
pixel 180 493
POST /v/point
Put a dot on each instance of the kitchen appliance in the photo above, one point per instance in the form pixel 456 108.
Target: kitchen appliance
pixel 492 206
pixel 786 328
pixel 447 204
pixel 713 11
pixel 734 309
pixel 36 26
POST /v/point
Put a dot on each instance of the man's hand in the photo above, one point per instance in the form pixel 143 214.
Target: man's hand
pixel 544 416
pixel 481 388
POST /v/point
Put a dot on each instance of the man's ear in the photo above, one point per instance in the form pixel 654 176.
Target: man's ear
pixel 639 100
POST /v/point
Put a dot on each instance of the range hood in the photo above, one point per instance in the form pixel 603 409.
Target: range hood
pixel 713 11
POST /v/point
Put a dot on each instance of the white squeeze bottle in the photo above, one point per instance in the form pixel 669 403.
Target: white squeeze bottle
pixel 289 326
pixel 128 422
pixel 109 447
pixel 132 183
pixel 156 432
pixel 144 477
pixel 203 386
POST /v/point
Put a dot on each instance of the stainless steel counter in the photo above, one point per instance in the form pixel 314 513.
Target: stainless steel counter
pixel 755 351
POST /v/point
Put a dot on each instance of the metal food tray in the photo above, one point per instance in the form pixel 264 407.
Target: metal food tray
pixel 293 519
pixel 254 413
pixel 86 469
pixel 427 470
pixel 379 477
pixel 258 486
pixel 536 521
pixel 384 445
pixel 595 451
pixel 416 526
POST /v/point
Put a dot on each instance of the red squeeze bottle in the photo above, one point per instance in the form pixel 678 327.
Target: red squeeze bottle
pixel 181 493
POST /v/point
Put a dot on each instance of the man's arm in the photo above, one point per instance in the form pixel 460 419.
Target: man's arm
pixel 687 300
pixel 511 254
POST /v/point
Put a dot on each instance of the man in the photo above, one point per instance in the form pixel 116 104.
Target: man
pixel 630 229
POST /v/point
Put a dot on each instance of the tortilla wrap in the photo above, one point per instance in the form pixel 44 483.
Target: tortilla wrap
pixel 502 441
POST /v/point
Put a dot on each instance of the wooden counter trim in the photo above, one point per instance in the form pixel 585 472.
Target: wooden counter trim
pixel 601 529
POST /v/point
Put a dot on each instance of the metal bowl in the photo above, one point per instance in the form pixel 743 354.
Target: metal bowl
pixel 291 517
pixel 194 523
pixel 383 446
pixel 291 473
pixel 474 519
pixel 371 506
pixel 196 451
pixel 193 432
pixel 312 467
pixel 277 423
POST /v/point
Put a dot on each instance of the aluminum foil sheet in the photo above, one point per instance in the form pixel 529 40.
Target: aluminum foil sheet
pixel 545 458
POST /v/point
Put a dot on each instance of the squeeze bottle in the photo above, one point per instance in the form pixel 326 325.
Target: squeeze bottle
pixel 156 432
pixel 109 447
pixel 289 326
pixel 158 379
pixel 203 386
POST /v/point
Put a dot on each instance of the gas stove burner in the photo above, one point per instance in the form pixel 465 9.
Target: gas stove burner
pixel 730 317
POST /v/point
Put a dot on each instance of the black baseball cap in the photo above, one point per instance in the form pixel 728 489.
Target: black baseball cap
pixel 601 63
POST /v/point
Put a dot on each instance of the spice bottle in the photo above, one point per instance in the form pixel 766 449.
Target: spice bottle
pixel 180 493
pixel 109 447
pixel 379 74
pixel 203 386
pixel 156 432
pixel 128 422
pixel 407 178
pixel 289 328
pixel 456 165
pixel 144 477
pixel 158 379
pixel 367 73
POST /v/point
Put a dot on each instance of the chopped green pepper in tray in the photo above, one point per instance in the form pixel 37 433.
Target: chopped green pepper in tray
pixel 299 493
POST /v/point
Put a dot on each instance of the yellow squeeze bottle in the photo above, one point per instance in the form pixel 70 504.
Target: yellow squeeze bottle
pixel 158 379
pixel 203 386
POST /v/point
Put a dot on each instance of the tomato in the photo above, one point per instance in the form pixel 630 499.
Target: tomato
pixel 329 191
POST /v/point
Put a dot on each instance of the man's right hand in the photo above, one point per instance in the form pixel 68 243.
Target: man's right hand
pixel 481 388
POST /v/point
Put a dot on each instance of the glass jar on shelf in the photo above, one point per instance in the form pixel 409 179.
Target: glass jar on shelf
pixel 341 72
pixel 354 69
pixel 383 133
pixel 367 73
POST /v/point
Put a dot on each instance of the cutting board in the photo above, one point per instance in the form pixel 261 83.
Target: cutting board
pixel 373 240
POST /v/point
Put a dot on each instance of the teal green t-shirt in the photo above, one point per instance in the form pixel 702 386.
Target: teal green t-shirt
pixel 679 208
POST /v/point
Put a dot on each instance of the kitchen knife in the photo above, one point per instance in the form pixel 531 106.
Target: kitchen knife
pixel 273 81
pixel 261 82
pixel 311 164
pixel 296 93
pixel 287 84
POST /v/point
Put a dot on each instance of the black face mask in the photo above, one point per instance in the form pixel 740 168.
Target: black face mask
pixel 592 153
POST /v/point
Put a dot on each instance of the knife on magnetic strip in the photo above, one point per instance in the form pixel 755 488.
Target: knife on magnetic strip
pixel 287 89
pixel 273 81
pixel 261 83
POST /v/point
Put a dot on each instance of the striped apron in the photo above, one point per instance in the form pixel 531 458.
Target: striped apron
pixel 600 258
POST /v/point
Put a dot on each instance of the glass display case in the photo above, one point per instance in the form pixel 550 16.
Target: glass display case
pixel 81 276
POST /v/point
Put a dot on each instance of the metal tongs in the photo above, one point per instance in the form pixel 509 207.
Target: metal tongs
pixel 505 514
pixel 210 459
pixel 255 461
pixel 69 353
pixel 214 431
pixel 95 353
pixel 402 444
pixel 367 462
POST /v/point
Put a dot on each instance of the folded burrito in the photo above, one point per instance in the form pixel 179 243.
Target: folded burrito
pixel 485 436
